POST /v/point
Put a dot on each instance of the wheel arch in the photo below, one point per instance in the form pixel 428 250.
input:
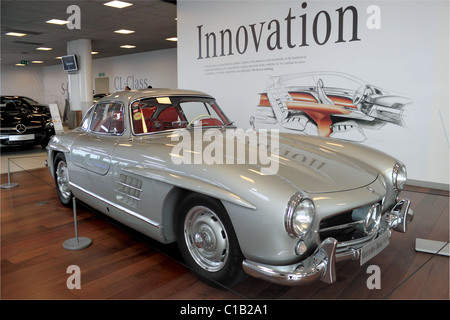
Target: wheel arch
pixel 170 209
pixel 51 155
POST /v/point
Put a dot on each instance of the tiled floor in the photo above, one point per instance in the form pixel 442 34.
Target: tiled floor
pixel 22 158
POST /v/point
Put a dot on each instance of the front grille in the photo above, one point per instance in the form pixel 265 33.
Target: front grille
pixel 13 130
pixel 351 225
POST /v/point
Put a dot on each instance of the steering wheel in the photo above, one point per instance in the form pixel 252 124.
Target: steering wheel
pixel 362 94
pixel 198 117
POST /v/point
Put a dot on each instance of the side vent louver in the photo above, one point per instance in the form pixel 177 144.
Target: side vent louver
pixel 128 190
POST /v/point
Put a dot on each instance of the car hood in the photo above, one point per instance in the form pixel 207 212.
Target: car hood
pixel 310 164
pixel 319 165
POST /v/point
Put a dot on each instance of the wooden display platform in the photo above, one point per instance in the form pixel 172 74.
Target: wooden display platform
pixel 121 264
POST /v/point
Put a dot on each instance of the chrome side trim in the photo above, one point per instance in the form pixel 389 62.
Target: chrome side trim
pixel 129 186
pixel 125 210
pixel 127 195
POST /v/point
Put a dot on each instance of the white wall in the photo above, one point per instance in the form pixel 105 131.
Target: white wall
pixel 156 68
pixel 55 82
pixel 22 81
pixel 406 53
pixel 49 84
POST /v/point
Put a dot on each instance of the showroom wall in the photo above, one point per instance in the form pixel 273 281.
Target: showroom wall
pixel 50 84
pixel 23 81
pixel 400 50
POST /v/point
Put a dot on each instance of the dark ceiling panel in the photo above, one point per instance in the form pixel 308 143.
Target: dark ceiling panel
pixel 153 21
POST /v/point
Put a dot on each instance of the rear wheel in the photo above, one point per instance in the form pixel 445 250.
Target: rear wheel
pixel 62 179
pixel 207 241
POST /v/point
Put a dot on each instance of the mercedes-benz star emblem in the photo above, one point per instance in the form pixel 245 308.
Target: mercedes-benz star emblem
pixel 20 128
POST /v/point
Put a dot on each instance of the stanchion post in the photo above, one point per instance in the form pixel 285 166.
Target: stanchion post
pixel 76 243
pixel 9 185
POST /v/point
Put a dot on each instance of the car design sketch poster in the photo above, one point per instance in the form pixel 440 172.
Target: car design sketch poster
pixel 375 73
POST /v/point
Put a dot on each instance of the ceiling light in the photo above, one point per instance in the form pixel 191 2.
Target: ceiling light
pixel 128 46
pixel 37 61
pixel 172 39
pixel 58 58
pixel 44 49
pixel 20 64
pixel 57 21
pixel 94 52
pixel 124 31
pixel 118 4
pixel 16 34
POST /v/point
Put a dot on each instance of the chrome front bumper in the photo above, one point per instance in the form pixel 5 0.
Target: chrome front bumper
pixel 321 264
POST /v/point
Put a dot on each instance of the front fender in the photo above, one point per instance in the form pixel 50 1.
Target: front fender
pixel 191 183
pixel 53 147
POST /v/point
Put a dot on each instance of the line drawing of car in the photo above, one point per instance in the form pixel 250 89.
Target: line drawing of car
pixel 328 201
pixel 329 104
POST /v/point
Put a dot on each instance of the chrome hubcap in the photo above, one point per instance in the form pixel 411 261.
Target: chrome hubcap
pixel 62 179
pixel 206 238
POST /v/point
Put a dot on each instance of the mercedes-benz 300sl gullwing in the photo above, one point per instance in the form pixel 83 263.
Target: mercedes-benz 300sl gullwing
pixel 277 206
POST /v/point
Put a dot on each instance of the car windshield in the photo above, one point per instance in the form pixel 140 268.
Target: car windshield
pixel 169 113
pixel 10 107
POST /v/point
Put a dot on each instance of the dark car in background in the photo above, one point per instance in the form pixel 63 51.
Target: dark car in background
pixel 21 126
pixel 27 103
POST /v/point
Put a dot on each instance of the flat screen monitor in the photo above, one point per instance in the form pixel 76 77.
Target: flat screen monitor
pixel 69 63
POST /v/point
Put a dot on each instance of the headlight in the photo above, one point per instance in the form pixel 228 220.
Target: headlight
pixel 399 176
pixel 299 215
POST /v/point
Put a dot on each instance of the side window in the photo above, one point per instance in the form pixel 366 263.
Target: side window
pixel 85 122
pixel 201 111
pixel 155 114
pixel 142 113
pixel 107 118
pixel 193 109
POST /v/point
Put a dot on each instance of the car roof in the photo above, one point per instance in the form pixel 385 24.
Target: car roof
pixel 131 95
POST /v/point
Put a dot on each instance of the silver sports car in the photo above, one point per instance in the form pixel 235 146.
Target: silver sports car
pixel 281 207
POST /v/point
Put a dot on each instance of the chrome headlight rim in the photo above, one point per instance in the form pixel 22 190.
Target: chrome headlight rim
pixel 399 176
pixel 299 200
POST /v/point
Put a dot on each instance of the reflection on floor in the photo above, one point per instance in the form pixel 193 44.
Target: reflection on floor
pixel 121 264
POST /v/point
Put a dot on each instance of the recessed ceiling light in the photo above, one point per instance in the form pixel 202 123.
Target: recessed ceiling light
pixel 16 34
pixel 128 46
pixel 124 31
pixel 37 61
pixel 44 49
pixel 20 64
pixel 57 21
pixel 172 39
pixel 118 4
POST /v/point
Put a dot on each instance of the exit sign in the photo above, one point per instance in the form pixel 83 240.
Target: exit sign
pixel 24 62
pixel 102 74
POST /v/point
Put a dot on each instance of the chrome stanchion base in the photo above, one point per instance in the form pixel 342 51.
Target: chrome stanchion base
pixel 9 185
pixel 77 243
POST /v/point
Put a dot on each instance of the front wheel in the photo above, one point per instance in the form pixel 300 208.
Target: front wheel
pixel 207 241
pixel 62 180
